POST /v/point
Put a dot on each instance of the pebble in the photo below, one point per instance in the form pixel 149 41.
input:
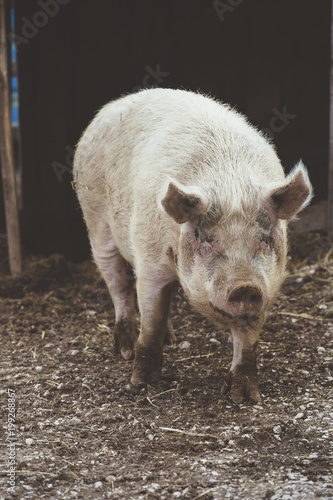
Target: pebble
pixel 321 350
pixel 214 341
pixel 98 485
pixel 110 478
pixel 184 345
pixel 91 313
pixel 299 415
pixel 29 441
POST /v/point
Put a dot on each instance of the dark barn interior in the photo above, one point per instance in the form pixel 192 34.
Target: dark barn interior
pixel 268 59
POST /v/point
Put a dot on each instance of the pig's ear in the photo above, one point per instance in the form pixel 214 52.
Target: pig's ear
pixel 184 203
pixel 293 195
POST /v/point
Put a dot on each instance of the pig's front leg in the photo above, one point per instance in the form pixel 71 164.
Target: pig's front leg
pixel 154 303
pixel 242 380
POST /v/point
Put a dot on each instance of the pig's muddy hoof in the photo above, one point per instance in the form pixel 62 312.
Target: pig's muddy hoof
pixel 127 353
pixel 242 387
pixel 170 338
pixel 124 339
pixel 147 366
pixel 140 380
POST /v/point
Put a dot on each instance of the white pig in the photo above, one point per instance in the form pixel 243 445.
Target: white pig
pixel 182 189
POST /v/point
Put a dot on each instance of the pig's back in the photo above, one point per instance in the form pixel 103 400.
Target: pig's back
pixel 176 133
pixel 136 143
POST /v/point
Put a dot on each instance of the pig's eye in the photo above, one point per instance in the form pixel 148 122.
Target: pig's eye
pixel 204 237
pixel 265 244
pixel 205 248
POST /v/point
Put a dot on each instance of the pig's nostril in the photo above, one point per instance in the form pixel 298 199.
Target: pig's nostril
pixel 248 295
pixel 256 298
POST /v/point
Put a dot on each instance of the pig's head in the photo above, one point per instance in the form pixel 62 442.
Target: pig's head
pixel 231 261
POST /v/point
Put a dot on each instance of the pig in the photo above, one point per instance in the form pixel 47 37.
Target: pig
pixel 178 188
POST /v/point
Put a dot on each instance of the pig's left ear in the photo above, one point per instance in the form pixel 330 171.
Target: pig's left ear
pixel 293 195
pixel 184 203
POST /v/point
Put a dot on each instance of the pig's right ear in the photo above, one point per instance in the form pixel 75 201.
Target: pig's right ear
pixel 184 203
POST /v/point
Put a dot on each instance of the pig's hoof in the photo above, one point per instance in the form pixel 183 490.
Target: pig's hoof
pixel 141 379
pixel 127 353
pixel 242 386
pixel 124 339
pixel 147 366
pixel 170 338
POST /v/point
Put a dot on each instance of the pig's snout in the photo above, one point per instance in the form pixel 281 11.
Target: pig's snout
pixel 245 299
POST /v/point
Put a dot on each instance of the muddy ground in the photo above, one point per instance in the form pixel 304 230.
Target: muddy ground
pixel 81 431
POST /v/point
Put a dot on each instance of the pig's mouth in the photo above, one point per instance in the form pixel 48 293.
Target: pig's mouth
pixel 246 320
pixel 219 311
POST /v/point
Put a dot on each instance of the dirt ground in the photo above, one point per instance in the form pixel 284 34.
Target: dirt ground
pixel 81 431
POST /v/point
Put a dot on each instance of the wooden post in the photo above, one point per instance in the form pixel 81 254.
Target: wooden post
pixel 330 167
pixel 7 156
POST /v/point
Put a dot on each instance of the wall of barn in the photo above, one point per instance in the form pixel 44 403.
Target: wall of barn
pixel 268 59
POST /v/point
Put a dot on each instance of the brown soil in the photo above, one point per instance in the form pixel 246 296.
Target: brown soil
pixel 83 432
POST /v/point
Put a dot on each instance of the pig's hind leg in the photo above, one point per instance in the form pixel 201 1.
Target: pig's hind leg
pixel 119 278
